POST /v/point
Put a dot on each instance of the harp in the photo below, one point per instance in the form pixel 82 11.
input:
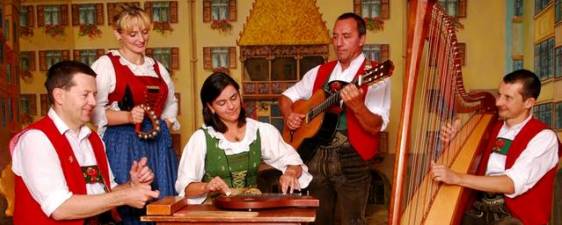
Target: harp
pixel 433 96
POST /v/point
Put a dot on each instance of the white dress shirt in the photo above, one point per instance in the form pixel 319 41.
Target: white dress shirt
pixel 274 152
pixel 540 156
pixel 105 81
pixel 377 98
pixel 36 161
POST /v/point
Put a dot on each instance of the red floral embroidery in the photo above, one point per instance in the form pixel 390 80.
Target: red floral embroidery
pixel 92 172
pixel 500 143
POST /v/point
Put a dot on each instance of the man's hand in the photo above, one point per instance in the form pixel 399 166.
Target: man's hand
pixel 217 184
pixel 140 172
pixel 449 131
pixel 137 115
pixel 351 96
pixel 443 174
pixel 289 181
pixel 294 120
pixel 137 195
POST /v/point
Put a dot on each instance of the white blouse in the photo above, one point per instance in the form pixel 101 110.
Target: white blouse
pixel 274 152
pixel 105 81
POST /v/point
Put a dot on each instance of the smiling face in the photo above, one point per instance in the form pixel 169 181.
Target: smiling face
pixel 227 105
pixel 347 41
pixel 133 40
pixel 512 107
pixel 75 104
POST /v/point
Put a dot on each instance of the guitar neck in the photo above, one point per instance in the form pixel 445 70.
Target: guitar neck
pixel 322 107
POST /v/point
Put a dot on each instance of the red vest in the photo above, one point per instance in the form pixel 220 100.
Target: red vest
pixel 124 77
pixel 364 143
pixel 27 211
pixel 534 206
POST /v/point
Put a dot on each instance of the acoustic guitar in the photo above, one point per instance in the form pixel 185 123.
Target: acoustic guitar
pixel 264 201
pixel 319 124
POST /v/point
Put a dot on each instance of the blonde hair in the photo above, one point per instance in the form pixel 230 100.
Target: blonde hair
pixel 130 17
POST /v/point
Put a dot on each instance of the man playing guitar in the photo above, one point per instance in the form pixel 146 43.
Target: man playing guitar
pixel 340 165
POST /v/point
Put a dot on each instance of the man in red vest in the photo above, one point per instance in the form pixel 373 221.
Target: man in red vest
pixel 62 174
pixel 517 170
pixel 339 160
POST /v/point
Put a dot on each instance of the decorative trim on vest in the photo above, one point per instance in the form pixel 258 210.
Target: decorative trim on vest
pixel 364 143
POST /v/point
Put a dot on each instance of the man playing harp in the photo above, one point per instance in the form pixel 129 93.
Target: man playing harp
pixel 517 170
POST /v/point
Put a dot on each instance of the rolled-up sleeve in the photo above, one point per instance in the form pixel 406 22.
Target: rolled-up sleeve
pixel 192 165
pixel 36 162
pixel 378 100
pixel 105 82
pixel 278 154
pixel 540 156
pixel 303 88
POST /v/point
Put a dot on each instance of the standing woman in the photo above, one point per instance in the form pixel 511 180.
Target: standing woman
pixel 128 81
pixel 226 152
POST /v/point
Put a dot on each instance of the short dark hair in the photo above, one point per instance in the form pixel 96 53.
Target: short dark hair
pixel 531 83
pixel 361 27
pixel 60 75
pixel 211 89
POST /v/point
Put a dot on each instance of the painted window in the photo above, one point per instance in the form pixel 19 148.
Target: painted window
pixel 87 14
pixel 540 5
pixel 52 15
pixel 518 8
pixel 376 52
pixel 544 113
pixel 160 11
pixel 558 112
pixel 219 9
pixel 517 64
pixel 544 59
pixel 169 57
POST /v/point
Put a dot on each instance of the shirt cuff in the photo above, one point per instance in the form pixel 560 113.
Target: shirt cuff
pixel 517 184
pixel 54 200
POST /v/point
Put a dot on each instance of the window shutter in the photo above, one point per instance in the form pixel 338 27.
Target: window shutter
pixel 40 16
pixel 175 58
pixel 232 10
pixel 99 13
pixel 149 51
pixel 173 11
pixel 148 9
pixel 357 7
pixel 64 14
pixel 384 52
pixel 75 14
pixel 207 62
pixel 43 60
pixel 207 11
pixel 100 52
pixel 76 55
pixel 30 16
pixel 461 9
pixel 232 57
pixel 385 9
pixel 111 12
pixel 65 54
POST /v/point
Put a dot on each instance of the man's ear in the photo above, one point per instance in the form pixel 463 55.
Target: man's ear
pixel 530 102
pixel 58 96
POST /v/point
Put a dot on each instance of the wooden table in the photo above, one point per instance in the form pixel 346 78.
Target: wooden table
pixel 175 211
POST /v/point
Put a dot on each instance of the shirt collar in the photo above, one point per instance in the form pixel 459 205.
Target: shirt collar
pixel 520 125
pixel 354 65
pixel 61 126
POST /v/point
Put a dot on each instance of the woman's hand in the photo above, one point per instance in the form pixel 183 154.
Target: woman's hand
pixel 289 181
pixel 217 184
pixel 137 115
